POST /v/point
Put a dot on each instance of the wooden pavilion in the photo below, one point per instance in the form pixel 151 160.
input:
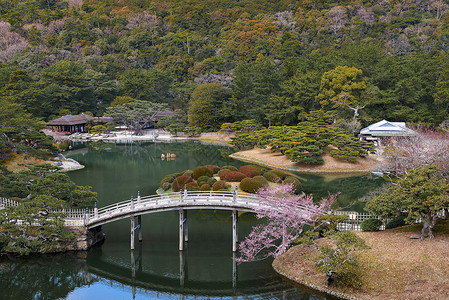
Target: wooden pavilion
pixel 70 123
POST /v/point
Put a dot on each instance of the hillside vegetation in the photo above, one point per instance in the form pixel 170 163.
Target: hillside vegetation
pixel 262 60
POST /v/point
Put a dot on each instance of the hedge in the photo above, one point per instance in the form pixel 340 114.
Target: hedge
pixel 180 182
pixel 202 180
pixel 169 178
pixel 219 185
pixel 395 222
pixel 252 185
pixel 213 168
pixel 250 171
pixel 205 187
pixel 232 176
pixel 371 224
pixel 222 171
pixel 232 168
pixel 202 171
pixel 272 176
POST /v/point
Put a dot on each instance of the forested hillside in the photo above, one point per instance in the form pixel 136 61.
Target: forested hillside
pixel 227 61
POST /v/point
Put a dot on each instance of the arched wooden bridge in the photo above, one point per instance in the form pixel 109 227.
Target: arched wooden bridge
pixel 181 201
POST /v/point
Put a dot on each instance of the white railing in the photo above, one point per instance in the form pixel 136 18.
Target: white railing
pixel 5 202
pixel 354 220
pixel 200 199
pixel 174 200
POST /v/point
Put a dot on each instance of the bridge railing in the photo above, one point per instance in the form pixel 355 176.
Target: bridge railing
pixel 178 199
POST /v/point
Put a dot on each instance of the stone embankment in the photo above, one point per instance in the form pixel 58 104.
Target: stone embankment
pixel 86 238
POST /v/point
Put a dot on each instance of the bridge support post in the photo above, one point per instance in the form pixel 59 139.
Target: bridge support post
pixel 132 232
pixel 182 272
pixel 234 271
pixel 139 224
pixel 133 265
pixel 235 234
pixel 181 229
pixel 186 227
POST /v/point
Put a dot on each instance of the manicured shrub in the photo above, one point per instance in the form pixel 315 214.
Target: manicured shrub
pixel 252 185
pixel 169 178
pixel 272 176
pixel 250 171
pixel 296 183
pixel 205 187
pixel 202 180
pixel 180 182
pixel 222 171
pixel 211 181
pixel 232 168
pixel 165 186
pixel 371 224
pixel 280 173
pixel 202 171
pixel 192 186
pixel 188 173
pixel 395 222
pixel 232 176
pixel 213 168
pixel 219 185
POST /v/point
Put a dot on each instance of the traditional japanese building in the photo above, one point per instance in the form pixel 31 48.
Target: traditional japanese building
pixel 385 133
pixel 70 123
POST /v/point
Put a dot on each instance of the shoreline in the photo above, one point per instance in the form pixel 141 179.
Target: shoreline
pixel 312 286
pixel 394 267
pixel 263 157
pixel 331 165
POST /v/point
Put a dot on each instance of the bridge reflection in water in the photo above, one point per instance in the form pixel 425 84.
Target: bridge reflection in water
pixel 143 282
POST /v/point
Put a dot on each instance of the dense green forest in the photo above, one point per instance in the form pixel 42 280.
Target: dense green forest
pixel 227 61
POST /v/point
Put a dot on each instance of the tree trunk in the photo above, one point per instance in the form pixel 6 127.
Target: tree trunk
pixel 428 226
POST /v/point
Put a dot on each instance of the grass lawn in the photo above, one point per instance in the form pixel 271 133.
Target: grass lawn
pixel 396 266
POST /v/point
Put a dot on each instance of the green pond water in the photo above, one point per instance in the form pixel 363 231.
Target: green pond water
pixel 156 269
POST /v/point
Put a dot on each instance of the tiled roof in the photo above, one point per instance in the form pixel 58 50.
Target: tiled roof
pixel 70 120
pixel 387 128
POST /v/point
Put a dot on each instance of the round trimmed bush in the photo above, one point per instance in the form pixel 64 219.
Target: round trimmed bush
pixel 192 186
pixel 395 222
pixel 165 186
pixel 280 173
pixel 188 173
pixel 211 181
pixel 213 168
pixel 252 185
pixel 232 176
pixel 205 187
pixel 272 176
pixel 169 178
pixel 202 180
pixel 180 182
pixel 222 171
pixel 371 224
pixel 219 185
pixel 202 171
pixel 250 171
pixel 232 168
pixel 296 183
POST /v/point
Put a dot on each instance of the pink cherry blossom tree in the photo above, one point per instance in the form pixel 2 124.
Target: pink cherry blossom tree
pixel 286 214
pixel 427 147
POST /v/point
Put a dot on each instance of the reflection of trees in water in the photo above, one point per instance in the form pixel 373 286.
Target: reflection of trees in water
pixel 351 188
pixel 43 276
pixel 198 152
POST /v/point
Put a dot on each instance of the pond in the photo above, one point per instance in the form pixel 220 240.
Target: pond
pixel 156 269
